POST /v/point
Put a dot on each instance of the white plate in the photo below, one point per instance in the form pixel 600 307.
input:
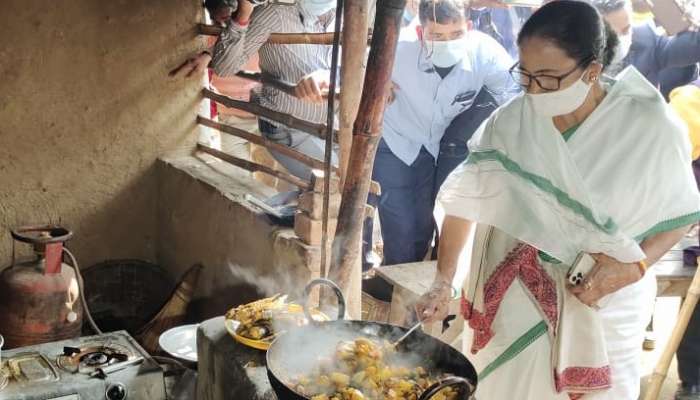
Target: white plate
pixel 180 342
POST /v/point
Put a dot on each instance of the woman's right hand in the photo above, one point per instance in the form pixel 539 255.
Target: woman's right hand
pixel 433 305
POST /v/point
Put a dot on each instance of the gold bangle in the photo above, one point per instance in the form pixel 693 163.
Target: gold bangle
pixel 642 265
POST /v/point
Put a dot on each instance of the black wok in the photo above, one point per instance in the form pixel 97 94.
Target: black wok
pixel 296 352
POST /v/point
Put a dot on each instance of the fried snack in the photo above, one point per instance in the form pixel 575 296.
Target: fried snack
pixel 256 318
pixel 365 370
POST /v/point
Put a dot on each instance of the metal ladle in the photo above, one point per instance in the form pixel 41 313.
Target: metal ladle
pixel 407 334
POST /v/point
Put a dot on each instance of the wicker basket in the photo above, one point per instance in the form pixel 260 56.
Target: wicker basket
pixel 374 310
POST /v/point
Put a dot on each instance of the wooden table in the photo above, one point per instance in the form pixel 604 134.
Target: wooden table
pixel 673 278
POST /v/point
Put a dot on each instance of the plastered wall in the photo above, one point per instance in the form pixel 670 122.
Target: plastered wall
pixel 85 110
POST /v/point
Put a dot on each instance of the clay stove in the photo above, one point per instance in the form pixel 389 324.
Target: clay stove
pixel 110 366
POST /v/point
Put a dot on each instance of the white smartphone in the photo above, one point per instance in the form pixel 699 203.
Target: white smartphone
pixel 583 264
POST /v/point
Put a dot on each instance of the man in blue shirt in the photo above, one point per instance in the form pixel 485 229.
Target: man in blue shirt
pixel 660 58
pixel 435 78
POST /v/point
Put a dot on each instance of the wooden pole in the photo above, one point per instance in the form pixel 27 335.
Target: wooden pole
pixel 661 370
pixel 318 130
pixel 261 141
pixel 355 20
pixel 366 134
pixel 253 167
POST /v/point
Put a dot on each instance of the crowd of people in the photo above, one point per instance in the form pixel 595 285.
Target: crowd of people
pixel 542 132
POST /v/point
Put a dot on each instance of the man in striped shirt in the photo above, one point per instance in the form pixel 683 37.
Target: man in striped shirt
pixel 306 65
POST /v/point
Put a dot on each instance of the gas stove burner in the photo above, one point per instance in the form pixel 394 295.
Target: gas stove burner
pixel 89 358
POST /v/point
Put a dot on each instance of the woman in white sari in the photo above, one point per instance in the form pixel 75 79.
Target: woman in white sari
pixel 576 164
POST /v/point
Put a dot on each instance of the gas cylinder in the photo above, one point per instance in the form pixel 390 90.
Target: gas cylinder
pixel 39 296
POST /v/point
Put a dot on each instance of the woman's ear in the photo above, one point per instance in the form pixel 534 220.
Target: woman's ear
pixel 595 70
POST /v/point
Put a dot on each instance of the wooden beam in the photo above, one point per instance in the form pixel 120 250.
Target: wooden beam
pixel 355 20
pixel 261 141
pixel 318 130
pixel 254 167
pixel 366 134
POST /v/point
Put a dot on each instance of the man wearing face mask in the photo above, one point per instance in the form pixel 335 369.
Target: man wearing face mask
pixel 658 57
pixel 246 34
pixel 435 78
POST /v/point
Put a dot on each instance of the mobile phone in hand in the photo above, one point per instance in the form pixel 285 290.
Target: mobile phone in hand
pixel 583 264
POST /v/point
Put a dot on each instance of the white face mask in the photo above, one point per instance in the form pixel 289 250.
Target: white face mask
pixel 622 49
pixel 447 53
pixel 561 102
pixel 317 7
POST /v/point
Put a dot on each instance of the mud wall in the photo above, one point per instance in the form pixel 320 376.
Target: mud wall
pixel 85 110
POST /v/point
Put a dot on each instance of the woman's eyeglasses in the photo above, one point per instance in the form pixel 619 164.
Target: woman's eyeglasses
pixel 546 82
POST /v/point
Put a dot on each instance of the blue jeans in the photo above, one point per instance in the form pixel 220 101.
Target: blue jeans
pixel 405 205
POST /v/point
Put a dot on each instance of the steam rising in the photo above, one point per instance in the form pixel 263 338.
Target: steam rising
pixel 298 352
pixel 282 282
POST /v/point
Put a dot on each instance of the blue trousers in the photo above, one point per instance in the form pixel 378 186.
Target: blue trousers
pixel 406 204
pixel 688 353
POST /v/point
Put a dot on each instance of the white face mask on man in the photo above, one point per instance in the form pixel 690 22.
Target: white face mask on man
pixel 621 51
pixel 447 53
pixel 560 102
pixel 317 7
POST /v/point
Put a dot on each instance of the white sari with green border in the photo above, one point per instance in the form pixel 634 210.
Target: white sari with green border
pixel 623 175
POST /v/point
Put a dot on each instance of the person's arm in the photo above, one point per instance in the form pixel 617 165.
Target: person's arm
pixel 610 275
pixel 680 50
pixel 243 37
pixel 497 80
pixel 657 245
pixel 433 304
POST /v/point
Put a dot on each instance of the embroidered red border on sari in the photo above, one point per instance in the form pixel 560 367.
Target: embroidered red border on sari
pixel 586 379
pixel 521 263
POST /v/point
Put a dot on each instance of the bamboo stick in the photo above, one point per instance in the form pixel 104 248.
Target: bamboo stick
pixel 355 20
pixel 254 167
pixel 328 148
pixel 325 38
pixel 366 135
pixel 210 30
pixel 277 83
pixel 318 130
pixel 661 370
pixel 258 77
pixel 261 141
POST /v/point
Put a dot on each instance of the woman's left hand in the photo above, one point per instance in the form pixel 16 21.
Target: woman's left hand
pixel 607 276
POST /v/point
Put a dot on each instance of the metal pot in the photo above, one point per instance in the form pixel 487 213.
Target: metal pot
pixel 297 351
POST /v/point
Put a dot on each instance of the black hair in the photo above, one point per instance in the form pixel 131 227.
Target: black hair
pixel 214 5
pixel 609 6
pixel 575 27
pixel 442 11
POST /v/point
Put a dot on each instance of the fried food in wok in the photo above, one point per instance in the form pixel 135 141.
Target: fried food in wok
pixel 366 370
